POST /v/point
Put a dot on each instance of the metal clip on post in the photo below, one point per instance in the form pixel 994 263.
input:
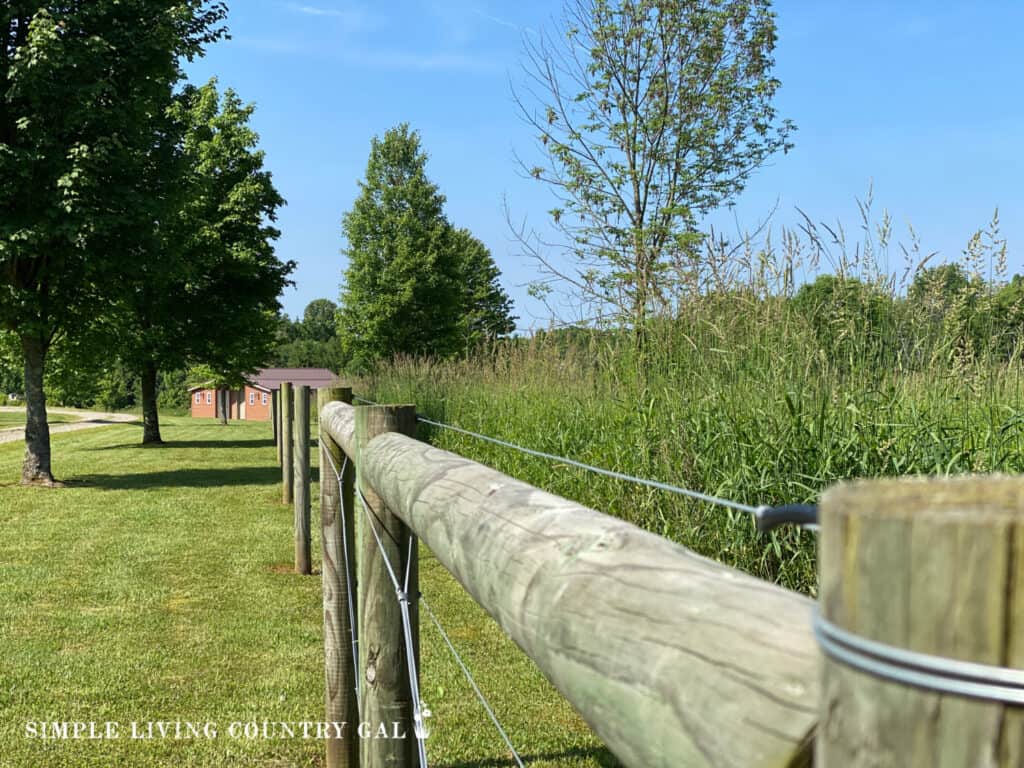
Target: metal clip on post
pixel 770 518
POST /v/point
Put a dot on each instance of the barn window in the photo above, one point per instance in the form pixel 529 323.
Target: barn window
pixel 263 399
pixel 252 398
pixel 209 398
pixel 199 398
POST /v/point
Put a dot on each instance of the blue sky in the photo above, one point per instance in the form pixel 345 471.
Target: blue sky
pixel 921 99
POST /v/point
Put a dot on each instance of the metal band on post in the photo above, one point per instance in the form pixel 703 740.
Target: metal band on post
pixel 920 670
pixel 920 604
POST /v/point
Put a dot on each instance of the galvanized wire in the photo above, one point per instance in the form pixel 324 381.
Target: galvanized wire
pixel 419 726
pixel 705 497
pixel 353 631
pixel 472 682
pixel 758 512
pixel 919 670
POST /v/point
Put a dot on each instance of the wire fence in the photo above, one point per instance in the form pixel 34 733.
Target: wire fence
pixel 766 517
pixel 420 711
pixel 541 588
pixel 402 594
pixel 469 676
pixel 349 576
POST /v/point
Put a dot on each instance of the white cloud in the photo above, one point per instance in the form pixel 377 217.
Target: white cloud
pixel 503 22
pixel 311 10
pixel 353 18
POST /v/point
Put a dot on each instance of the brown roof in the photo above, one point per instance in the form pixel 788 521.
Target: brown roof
pixel 210 386
pixel 272 378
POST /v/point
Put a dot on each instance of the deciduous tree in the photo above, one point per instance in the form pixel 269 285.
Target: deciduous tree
pixel 82 83
pixel 486 308
pixel 206 285
pixel 311 342
pixel 320 320
pixel 649 114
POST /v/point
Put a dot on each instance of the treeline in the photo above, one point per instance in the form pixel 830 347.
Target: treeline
pixel 947 317
pixel 137 229
pixel 310 341
pixel 106 387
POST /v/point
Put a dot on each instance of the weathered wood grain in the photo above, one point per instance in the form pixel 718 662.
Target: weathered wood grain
pixel 931 565
pixel 287 469
pixel 303 558
pixel 339 420
pixel 336 512
pixel 274 421
pixel 673 660
pixel 386 696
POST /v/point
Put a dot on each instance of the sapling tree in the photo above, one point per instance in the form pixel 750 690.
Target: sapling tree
pixel 648 115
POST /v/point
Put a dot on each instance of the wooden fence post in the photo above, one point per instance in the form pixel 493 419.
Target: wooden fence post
pixel 274 422
pixel 933 566
pixel 287 470
pixel 280 425
pixel 386 695
pixel 336 520
pixel 303 559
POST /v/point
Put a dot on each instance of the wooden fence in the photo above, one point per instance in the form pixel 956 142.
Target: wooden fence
pixel 673 659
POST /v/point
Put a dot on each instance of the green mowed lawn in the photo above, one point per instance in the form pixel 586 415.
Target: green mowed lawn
pixel 17 419
pixel 156 587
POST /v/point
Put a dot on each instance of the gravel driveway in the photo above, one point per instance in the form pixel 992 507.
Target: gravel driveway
pixel 89 420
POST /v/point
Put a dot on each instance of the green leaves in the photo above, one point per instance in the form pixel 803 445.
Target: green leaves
pixel 83 84
pixel 206 284
pixel 414 284
pixel 652 114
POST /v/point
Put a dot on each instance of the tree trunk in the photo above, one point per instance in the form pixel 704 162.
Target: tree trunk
pixel 150 414
pixel 225 402
pixel 640 309
pixel 36 468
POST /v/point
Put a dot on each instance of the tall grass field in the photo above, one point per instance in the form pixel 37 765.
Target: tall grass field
pixel 764 384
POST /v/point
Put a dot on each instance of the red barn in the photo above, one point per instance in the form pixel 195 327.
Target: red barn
pixel 253 401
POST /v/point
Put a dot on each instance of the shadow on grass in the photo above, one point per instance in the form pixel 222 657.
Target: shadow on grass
pixel 604 758
pixel 268 443
pixel 185 478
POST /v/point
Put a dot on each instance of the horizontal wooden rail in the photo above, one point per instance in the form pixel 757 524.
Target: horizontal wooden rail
pixel 671 658
pixel 339 421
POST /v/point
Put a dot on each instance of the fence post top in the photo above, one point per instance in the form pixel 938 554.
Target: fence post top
pixel 982 498
pixel 379 419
